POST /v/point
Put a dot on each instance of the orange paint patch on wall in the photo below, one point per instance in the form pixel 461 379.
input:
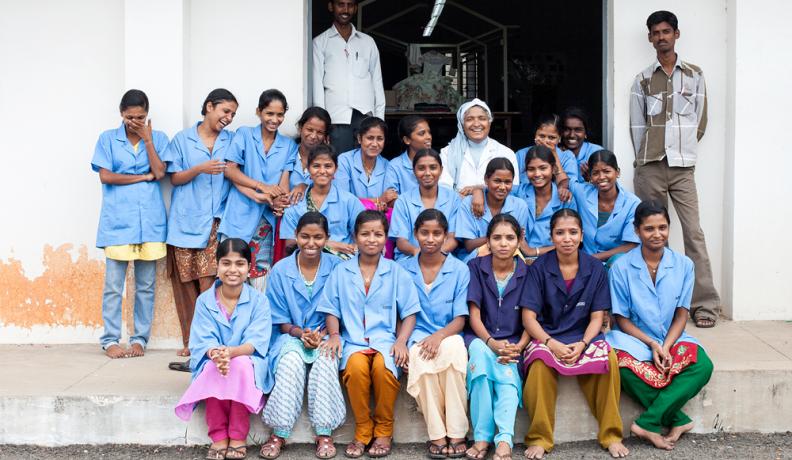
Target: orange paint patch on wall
pixel 69 293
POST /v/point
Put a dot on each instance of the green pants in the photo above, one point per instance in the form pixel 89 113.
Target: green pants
pixel 664 405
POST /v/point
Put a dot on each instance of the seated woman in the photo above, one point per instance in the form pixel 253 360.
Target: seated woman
pixel 428 194
pixel 361 172
pixel 371 303
pixel 548 134
pixel 564 302
pixel 415 134
pixel 472 230
pixel 574 131
pixel 294 288
pixel 438 358
pixel 662 367
pixel 341 208
pixel 542 199
pixel 229 341
pixel 495 339
pixel 607 210
pixel 313 126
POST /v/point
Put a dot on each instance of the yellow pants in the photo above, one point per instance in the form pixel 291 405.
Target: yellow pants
pixel 362 372
pixel 602 393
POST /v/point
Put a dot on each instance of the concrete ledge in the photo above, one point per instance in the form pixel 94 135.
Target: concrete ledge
pixel 62 395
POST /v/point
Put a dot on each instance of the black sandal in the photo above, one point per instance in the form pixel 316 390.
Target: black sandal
pixel 180 366
pixel 454 452
pixel 435 450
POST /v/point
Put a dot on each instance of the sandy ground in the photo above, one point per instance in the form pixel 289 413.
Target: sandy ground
pixel 699 447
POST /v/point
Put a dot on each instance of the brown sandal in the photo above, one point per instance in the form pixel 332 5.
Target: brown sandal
pixel 325 448
pixel 216 454
pixel 276 444
pixel 385 449
pixel 436 450
pixel 236 453
pixel 454 449
pixel 355 449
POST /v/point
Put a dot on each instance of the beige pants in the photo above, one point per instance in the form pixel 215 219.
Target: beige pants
pixel 438 387
pixel 658 181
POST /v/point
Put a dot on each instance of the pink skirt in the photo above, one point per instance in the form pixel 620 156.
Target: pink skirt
pixel 239 385
pixel 370 205
pixel 593 360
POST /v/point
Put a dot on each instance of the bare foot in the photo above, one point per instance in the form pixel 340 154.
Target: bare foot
pixel 617 450
pixel 534 452
pixel 653 438
pixel 135 351
pixel 503 451
pixel 115 352
pixel 676 432
pixel 184 352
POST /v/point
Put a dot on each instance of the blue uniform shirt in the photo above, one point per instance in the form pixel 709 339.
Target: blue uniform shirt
pixel 566 315
pixel 298 175
pixel 650 306
pixel 409 205
pixel 617 230
pixel 446 299
pixel 243 215
pixel 339 207
pixel 250 323
pixel 568 164
pixel 197 203
pixel 399 175
pixel 351 176
pixel 469 227
pixel 586 150
pixel 134 213
pixel 290 301
pixel 500 314
pixel 369 320
pixel 538 227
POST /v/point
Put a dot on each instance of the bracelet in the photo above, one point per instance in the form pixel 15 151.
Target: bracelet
pixel 585 344
pixel 486 342
pixel 547 340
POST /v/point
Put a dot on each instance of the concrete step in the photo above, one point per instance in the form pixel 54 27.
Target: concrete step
pixel 61 395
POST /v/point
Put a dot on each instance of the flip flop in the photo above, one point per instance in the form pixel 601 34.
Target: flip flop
pixel 453 451
pixel 180 366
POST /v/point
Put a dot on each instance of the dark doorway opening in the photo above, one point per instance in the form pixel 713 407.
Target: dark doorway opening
pixel 554 57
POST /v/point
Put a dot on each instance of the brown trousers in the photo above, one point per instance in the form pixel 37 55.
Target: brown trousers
pixel 362 372
pixel 185 294
pixel 658 181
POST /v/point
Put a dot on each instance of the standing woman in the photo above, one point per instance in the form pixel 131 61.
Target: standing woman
pixel 294 288
pixel 607 210
pixel 472 230
pixel 197 203
pixel 495 339
pixel 415 134
pixel 574 131
pixel 662 367
pixel 371 303
pixel 258 164
pixel 313 126
pixel 438 358
pixel 564 303
pixel 340 207
pixel 428 194
pixel 132 223
pixel 361 172
pixel 229 341
pixel 541 195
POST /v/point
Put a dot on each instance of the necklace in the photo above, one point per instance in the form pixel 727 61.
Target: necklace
pixel 652 269
pixel 299 269
pixel 508 275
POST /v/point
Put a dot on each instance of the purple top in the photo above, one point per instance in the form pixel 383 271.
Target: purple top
pixel 501 315
pixel 566 314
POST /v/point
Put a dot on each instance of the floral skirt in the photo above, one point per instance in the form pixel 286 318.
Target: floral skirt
pixel 593 360
pixel 683 354
pixel 192 264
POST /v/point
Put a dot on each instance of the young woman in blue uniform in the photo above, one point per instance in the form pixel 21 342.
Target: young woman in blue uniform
pixel 574 131
pixel 132 223
pixel 415 134
pixel 313 128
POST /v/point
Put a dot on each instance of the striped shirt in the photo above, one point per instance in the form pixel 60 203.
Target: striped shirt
pixel 668 114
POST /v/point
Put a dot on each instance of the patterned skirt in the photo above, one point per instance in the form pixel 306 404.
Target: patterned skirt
pixel 192 264
pixel 683 354
pixel 593 360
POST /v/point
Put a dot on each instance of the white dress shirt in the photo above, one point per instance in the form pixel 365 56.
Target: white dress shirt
pixel 347 75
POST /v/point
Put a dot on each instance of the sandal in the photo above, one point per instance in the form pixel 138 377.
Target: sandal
pixel 216 454
pixel 498 456
pixel 275 444
pixel 325 447
pixel 454 450
pixel 477 454
pixel 385 449
pixel 704 323
pixel 180 366
pixel 435 450
pixel 355 449
pixel 236 453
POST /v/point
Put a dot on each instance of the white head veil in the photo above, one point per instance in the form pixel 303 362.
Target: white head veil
pixel 459 144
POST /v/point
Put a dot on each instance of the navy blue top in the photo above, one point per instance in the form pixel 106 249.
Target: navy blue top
pixel 501 315
pixel 566 315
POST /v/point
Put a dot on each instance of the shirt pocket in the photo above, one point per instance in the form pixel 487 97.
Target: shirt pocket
pixel 360 65
pixel 684 103
pixel 654 104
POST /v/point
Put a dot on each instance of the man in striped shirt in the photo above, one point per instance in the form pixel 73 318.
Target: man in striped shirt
pixel 668 116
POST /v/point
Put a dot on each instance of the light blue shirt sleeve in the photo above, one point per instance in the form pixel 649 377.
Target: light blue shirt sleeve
pixel 288 224
pixel 392 178
pixel 400 220
pixel 329 303
pixel 408 301
pixel 173 156
pixel 276 295
pixel 460 292
pixel 343 175
pixel 466 225
pixel 236 151
pixel 258 332
pixel 355 208
pixel 569 164
pixel 628 229
pixel 620 290
pixel 687 284
pixel 204 333
pixel 103 155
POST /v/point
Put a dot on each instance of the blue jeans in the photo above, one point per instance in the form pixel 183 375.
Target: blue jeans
pixel 115 275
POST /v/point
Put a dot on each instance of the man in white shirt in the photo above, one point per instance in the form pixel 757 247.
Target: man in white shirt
pixel 347 79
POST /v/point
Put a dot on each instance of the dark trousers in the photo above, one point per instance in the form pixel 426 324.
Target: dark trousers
pixel 344 137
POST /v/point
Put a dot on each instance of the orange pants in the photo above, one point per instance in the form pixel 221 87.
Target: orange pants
pixel 362 372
